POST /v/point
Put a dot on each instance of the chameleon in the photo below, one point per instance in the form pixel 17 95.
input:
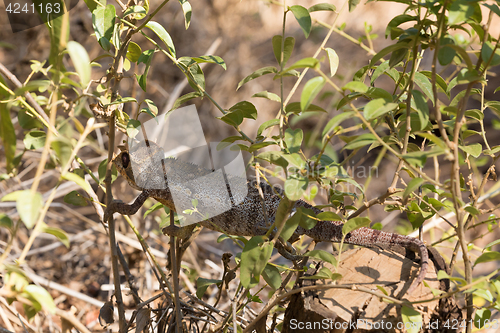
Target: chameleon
pixel 159 177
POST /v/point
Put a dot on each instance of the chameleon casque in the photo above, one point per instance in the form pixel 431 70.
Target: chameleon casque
pixel 243 219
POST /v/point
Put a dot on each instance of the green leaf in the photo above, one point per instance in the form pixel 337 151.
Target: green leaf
pixel 184 98
pixel 495 242
pixel 412 319
pixel 322 255
pixel 303 18
pixel 186 9
pixel 59 35
pixel 295 187
pixel 160 31
pixel 136 12
pixel 211 59
pixel 202 285
pixel 146 57
pixel 194 73
pixel 63 149
pixel 254 258
pixel 81 61
pixel 459 11
pixel 29 205
pixel 295 108
pixel 92 4
pixel 75 198
pixel 487 257
pixel 8 135
pixel 466 76
pixel 353 4
pixel 323 273
pixel 58 233
pixel 103 21
pixel 333 58
pixel 293 139
pixel 303 63
pixel 291 224
pixel 265 125
pixel 282 214
pixel 5 221
pixel 133 127
pixel 133 51
pixel 41 296
pixel 274 157
pixel 289 44
pixel 328 216
pixel 268 95
pixel 256 74
pixel 422 109
pixel 413 185
pixel 389 49
pixel 463 54
pixel 482 317
pixel 34 139
pixel 377 107
pixel 295 160
pixel 354 224
pixel 397 56
pixel 361 141
pixel 425 84
pixel 439 80
pixel 336 121
pixel 322 6
pixel 272 276
pixel 474 149
pixel 356 86
pixel 78 180
pixel 397 21
pixel 487 53
pixel 247 109
pixel 310 91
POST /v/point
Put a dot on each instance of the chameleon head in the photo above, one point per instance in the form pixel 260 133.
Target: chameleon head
pixel 142 166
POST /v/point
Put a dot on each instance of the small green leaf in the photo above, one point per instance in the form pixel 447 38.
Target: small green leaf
pixel 29 205
pixel 322 6
pixel 268 95
pixel 63 149
pixel 295 108
pixel 304 63
pixel 356 86
pixel 413 185
pixel 103 21
pixel 389 49
pixel 295 187
pixel 246 109
pixel 472 210
pixel 34 139
pixel 334 60
pixel 202 285
pixel 322 255
pixel 78 180
pixel 293 139
pixel 136 12
pixel 267 124
pixel 186 9
pixel 310 91
pixel 289 44
pixel 58 233
pixel 273 157
pixel 81 61
pixel 419 104
pixel 474 149
pixel 254 258
pixel 184 98
pixel 487 257
pixel 146 57
pixel 160 31
pixel 5 221
pixel 355 223
pixel 328 216
pixel 336 121
pixel 256 74
pixel 377 107
pixel 272 276
pixel 133 127
pixel 361 141
pixel 75 198
pixel 412 319
pixel 459 11
pixel 133 51
pixel 211 59
pixel 41 296
pixel 303 18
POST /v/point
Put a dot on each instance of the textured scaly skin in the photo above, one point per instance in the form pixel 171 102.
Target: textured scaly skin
pixel 244 219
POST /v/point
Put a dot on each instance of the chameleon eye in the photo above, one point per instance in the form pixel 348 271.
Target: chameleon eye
pixel 125 160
